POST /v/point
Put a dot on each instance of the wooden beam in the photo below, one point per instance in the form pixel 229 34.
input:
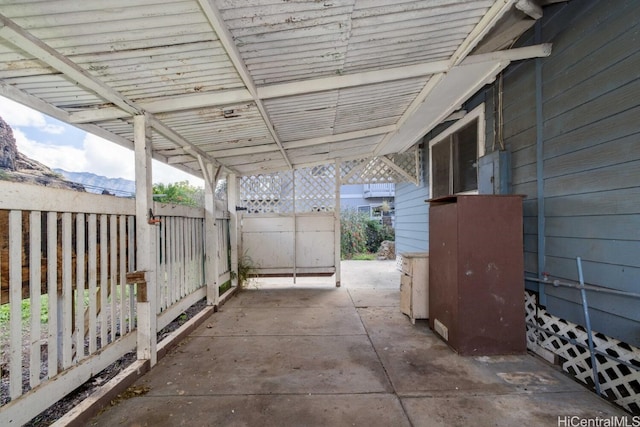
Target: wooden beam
pixel 173 136
pixel 339 137
pixel 145 241
pixel 410 111
pixel 446 97
pixel 226 39
pixel 528 52
pixel 492 60
pixel 493 15
pixel 530 8
pixel 352 80
pixel 31 101
pixel 255 149
pixel 181 159
pixel 234 96
pixel 167 104
pixel 34 46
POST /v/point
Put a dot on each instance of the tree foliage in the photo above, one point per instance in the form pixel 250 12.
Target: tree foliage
pixel 179 193
pixel 353 238
pixel 360 234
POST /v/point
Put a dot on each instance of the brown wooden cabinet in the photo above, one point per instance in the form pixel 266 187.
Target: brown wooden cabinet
pixel 476 273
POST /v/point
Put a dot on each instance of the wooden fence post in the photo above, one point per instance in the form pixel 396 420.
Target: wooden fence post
pixel 146 241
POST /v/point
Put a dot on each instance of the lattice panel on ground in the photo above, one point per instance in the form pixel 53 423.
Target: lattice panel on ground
pixel 618 363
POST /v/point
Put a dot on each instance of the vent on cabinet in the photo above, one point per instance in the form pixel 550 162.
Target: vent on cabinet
pixel 442 330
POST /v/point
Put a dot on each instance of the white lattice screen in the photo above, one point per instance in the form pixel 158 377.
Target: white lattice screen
pixel 393 168
pixel 267 193
pixel 310 189
pixel 618 362
pixel 316 189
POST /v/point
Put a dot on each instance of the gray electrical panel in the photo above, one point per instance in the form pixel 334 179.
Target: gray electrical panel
pixel 494 173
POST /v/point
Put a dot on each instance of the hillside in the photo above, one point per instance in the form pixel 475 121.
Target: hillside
pixel 16 167
pixel 101 184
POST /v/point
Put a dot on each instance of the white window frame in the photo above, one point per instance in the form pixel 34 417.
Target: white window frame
pixel 477 113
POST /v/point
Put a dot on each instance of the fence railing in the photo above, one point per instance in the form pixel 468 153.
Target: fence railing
pixel 224 248
pixel 66 310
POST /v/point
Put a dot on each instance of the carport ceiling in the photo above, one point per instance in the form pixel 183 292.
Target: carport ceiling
pixel 258 85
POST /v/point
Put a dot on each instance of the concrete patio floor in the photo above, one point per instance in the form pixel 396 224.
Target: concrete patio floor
pixel 312 354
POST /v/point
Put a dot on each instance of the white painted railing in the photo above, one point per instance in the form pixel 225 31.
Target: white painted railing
pixel 179 260
pixel 379 190
pixel 73 314
pixel 224 248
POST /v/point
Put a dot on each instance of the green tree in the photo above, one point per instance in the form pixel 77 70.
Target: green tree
pixel 179 193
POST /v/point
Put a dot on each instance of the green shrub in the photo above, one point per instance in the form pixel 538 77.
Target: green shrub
pixel 377 233
pixel 179 193
pixel 360 234
pixel 353 236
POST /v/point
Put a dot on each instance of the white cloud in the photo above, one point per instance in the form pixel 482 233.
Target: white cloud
pixel 94 154
pixel 108 159
pixel 54 156
pixel 97 156
pixel 112 160
pixel 17 115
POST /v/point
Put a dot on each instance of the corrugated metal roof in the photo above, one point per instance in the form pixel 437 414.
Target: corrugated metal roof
pixel 252 85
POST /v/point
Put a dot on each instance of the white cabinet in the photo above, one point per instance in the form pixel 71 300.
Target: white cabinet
pixel 414 285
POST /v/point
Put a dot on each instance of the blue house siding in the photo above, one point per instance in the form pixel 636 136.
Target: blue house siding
pixel 412 227
pixel 591 169
pixel 412 214
pixel 591 160
pixel 351 197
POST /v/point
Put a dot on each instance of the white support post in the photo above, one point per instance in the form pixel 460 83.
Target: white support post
pixel 337 222
pixel 232 197
pixel 146 242
pixel 295 228
pixel 211 236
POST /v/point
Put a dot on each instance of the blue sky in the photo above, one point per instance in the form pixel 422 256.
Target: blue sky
pixel 59 145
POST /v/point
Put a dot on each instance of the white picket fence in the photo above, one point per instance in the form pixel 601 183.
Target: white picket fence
pixel 64 260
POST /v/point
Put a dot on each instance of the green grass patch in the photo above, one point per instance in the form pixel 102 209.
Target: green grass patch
pixel 364 257
pixel 224 287
pixel 25 311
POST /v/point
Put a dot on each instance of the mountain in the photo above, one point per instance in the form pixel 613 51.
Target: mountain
pixel 101 184
pixel 16 167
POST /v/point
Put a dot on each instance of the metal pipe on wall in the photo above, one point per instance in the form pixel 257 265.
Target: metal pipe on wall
pixel 587 321
pixel 593 288
pixel 540 166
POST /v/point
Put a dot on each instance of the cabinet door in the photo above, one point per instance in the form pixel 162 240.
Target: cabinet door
pixel 443 266
pixel 405 294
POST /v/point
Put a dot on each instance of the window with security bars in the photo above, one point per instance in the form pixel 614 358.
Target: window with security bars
pixel 454 156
